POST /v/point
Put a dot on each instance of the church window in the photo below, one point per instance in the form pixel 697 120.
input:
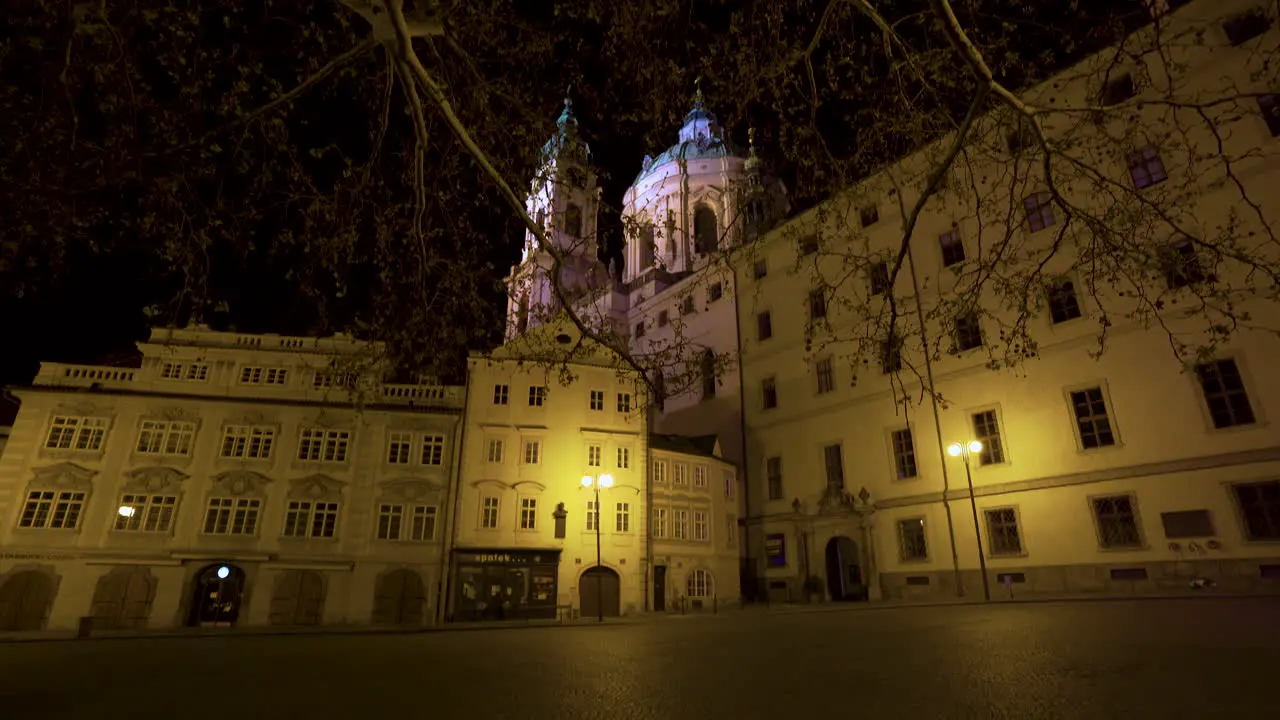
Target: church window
pixel 573 220
pixel 708 374
pixel 706 236
pixel 647 249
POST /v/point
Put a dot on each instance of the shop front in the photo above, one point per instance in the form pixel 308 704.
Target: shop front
pixel 505 584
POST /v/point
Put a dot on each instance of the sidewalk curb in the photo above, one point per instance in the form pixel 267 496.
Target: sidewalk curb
pixel 801 609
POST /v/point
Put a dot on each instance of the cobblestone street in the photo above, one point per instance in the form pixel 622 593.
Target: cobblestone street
pixel 1114 659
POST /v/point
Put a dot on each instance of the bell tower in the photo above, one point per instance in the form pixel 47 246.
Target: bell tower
pixel 563 200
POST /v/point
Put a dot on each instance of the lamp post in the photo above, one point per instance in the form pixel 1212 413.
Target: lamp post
pixel 595 483
pixel 964 452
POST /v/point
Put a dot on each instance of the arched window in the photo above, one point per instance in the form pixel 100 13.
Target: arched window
pixel 700 585
pixel 573 220
pixel 648 252
pixel 705 232
pixel 575 177
pixel 522 313
pixel 708 374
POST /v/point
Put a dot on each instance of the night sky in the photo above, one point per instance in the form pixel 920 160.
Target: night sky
pixel 298 222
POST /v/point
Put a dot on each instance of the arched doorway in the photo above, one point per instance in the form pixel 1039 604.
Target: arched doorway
pixel 122 598
pixel 844 570
pixel 600 587
pixel 25 598
pixel 297 598
pixel 216 596
pixel 399 599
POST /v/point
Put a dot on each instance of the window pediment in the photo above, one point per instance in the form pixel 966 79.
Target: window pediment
pixel 330 421
pixel 528 486
pixel 410 490
pixel 490 483
pixel 241 482
pixel 316 486
pixel 176 413
pixel 83 408
pixel 253 417
pixel 154 479
pixel 64 475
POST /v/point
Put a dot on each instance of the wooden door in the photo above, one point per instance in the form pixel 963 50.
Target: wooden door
pixel 297 598
pixel 123 597
pixel 399 599
pixel 600 587
pixel 25 598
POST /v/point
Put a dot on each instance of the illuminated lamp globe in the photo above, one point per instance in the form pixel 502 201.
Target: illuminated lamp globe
pixel 606 480
pixel 126 511
pixel 954 449
pixel 223 572
pixel 975 446
pixel 586 481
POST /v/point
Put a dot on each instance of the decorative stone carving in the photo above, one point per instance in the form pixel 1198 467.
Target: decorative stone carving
pixel 527 485
pixel 648 163
pixel 173 413
pixel 86 408
pixel 154 479
pixel 64 475
pixel 241 482
pixel 836 500
pixel 410 490
pixel 316 487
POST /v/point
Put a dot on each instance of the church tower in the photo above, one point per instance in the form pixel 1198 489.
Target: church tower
pixel 564 200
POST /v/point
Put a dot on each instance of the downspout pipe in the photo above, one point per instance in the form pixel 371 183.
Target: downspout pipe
pixel 445 604
pixel 745 471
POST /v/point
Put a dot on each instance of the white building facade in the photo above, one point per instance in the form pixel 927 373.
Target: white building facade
pixel 231 479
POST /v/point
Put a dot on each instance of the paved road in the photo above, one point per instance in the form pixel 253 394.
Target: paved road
pixel 1135 659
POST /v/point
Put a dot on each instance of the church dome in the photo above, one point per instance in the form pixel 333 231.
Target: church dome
pixel 566 142
pixel 701 138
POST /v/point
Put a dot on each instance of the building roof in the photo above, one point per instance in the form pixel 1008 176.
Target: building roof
pixel 704 445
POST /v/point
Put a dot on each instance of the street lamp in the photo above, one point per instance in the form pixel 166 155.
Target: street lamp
pixel 595 483
pixel 964 451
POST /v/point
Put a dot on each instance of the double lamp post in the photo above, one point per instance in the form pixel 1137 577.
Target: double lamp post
pixel 595 483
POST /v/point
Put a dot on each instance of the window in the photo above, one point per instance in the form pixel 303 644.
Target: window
pixel 232 516
pixel 495 451
pixel 890 356
pixel 573 220
pixel 1224 393
pixel 1117 90
pixel 699 584
pixel 808 245
pixel 307 519
pixel 76 433
pixel 528 513
pixel 968 332
pixel 659 522
pixel 1117 522
pixel 680 524
pixel 324 445
pixel 760 269
pixel 1269 106
pixel 640 329
pixel 398 448
pixel 878 277
pixel 817 305
pixel 708 372
pixel 391 523
pixel 597 400
pixel 187 372
pixel 833 459
pixel 1246 26
pixel 532 451
pixel 246 441
pixel 624 458
pixel 825 371
pixel 163 437
pixel 1187 524
pixel 648 248
pixel 501 394
pixel 1092 423
pixel 1021 138
pixel 730 484
pixel 701 530
pixel 659 472
pixel 1063 303
pixel 1182 265
pixel 1259 508
pixel 489 512
pixel 622 518
pixel 593 455
pixel 680 474
pixel 432 449
pixel 624 402
pixel 769 393
pixel 52 509
pixel 952 246
pixel 715 292
pixel 912 545
pixel 1039 208
pixel 686 305
pixel 730 530
pixel 764 326
pixel 904 454
pixel 537 395
pixel 773 474
pixel 1146 168
pixel 699 476
pixel 1002 531
pixel 986 429
pixel 705 230
pixel 147 513
pixel 334 379
pixel 869 215
pixel 593 515
pixel 263 376
pixel 664 317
